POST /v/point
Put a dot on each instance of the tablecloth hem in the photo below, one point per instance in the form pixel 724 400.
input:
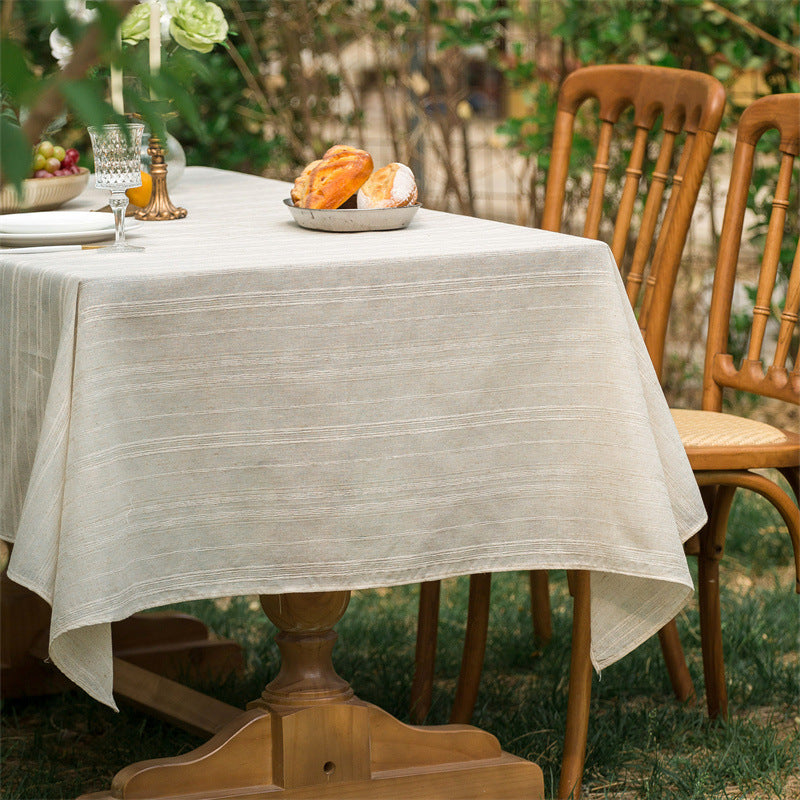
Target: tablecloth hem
pixel 96 627
pixel 645 633
pixel 222 586
pixel 693 527
pixel 70 667
pixel 29 584
pixel 65 654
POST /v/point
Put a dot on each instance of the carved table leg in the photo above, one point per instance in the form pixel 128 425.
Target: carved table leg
pixel 309 737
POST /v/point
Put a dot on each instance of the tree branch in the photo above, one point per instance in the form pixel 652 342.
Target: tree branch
pixel 88 52
pixel 748 26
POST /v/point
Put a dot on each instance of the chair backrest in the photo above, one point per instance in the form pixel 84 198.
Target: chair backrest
pixel 685 101
pixel 783 113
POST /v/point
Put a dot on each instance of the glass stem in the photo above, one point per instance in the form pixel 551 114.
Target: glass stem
pixel 118 203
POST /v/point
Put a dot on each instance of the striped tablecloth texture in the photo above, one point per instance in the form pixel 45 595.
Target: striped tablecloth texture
pixel 251 407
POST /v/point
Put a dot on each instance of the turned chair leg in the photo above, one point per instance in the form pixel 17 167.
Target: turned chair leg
pixel 425 658
pixel 469 679
pixel 671 648
pixel 580 688
pixel 540 606
pixel 675 660
pixel 711 637
pixel 580 676
pixel 712 545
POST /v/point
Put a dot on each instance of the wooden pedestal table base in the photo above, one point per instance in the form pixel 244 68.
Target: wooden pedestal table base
pixel 309 737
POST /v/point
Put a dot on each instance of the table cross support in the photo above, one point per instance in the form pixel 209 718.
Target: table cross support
pixel 309 737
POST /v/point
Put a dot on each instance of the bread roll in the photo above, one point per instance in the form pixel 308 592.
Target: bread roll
pixel 303 181
pixel 331 181
pixel 391 186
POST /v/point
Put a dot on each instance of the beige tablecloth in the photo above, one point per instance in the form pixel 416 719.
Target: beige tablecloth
pixel 251 407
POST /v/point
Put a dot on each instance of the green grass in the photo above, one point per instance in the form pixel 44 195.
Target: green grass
pixel 642 744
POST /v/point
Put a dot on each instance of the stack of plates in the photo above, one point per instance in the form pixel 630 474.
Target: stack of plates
pixel 58 227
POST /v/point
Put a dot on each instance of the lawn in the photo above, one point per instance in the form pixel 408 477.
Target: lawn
pixel 642 743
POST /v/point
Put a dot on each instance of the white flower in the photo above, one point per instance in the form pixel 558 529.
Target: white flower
pixel 77 10
pixel 60 47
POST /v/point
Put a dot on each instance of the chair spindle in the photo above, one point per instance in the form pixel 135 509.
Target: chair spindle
pixel 652 208
pixel 591 229
pixel 633 177
pixel 789 318
pixel 654 278
pixel 769 263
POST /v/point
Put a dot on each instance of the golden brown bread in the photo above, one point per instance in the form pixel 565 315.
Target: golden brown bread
pixel 391 186
pixel 331 181
pixel 302 182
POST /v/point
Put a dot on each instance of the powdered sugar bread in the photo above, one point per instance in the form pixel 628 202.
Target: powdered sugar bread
pixel 391 186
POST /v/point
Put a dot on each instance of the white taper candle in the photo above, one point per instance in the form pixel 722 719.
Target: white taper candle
pixel 155 40
pixel 116 81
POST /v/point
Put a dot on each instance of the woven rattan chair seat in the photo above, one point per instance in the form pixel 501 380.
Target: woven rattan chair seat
pixel 714 440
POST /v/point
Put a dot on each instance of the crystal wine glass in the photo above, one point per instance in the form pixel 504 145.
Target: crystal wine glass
pixel 117 166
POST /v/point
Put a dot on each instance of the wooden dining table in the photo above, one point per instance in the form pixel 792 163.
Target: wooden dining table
pixel 252 407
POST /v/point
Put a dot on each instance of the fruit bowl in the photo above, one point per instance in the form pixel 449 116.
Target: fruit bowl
pixel 43 194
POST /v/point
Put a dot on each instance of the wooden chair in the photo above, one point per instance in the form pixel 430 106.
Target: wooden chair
pixel 723 449
pixel 689 105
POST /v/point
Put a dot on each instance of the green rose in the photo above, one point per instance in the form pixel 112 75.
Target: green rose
pixel 197 24
pixel 136 26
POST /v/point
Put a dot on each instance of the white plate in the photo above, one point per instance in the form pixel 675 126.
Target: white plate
pixel 103 228
pixel 55 222
pixel 352 220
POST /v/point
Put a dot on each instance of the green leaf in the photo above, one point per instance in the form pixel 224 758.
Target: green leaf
pixel 14 72
pixel 109 19
pixel 638 33
pixel 657 53
pixel 723 72
pixel 739 51
pixel 86 101
pixel 16 152
pixel 707 44
pixel 183 101
pixel 755 62
pixel 49 11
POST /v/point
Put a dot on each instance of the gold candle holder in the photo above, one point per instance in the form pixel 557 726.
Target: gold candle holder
pixel 160 206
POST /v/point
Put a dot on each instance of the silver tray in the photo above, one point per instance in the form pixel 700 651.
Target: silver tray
pixel 352 220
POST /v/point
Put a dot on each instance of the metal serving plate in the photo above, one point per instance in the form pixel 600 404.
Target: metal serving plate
pixel 352 220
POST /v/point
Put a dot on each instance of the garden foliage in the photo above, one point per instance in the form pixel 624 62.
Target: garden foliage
pixel 296 75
